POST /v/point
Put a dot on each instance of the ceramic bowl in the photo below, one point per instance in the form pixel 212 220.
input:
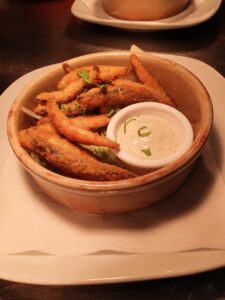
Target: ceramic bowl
pixel 143 10
pixel 121 196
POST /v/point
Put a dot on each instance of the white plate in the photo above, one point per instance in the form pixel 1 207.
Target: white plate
pixel 197 12
pixel 110 267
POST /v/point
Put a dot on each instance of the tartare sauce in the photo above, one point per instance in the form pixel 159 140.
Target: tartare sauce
pixel 148 137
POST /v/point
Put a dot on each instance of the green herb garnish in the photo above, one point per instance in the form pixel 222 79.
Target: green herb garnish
pixel 126 123
pixel 103 87
pixel 85 76
pixel 63 107
pixel 84 110
pixel 112 112
pixel 143 131
pixel 77 106
pixel 69 109
pixel 147 151
pixel 105 154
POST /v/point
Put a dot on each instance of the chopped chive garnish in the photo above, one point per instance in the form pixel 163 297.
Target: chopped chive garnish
pixel 63 107
pixel 147 151
pixel 126 123
pixel 77 106
pixel 112 112
pixel 85 76
pixel 84 110
pixel 102 86
pixel 143 131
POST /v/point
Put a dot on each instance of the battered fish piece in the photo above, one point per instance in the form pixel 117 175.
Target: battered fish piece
pixel 73 75
pixel 41 110
pixel 85 122
pixel 67 67
pixel 73 82
pixel 71 109
pixel 62 96
pixel 90 121
pixel 65 126
pixel 104 74
pixel 84 79
pixel 121 92
pixel 76 108
pixel 67 157
pixel 148 79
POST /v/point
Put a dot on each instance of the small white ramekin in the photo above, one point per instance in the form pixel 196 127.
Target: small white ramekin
pixel 168 113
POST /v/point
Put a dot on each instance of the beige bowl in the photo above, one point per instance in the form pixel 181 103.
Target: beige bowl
pixel 124 195
pixel 143 9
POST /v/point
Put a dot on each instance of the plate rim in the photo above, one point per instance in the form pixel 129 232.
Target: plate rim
pixel 78 268
pixel 140 25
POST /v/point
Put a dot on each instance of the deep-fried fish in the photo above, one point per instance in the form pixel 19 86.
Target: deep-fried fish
pixel 121 92
pixel 104 74
pixel 65 126
pixel 62 96
pixel 73 82
pixel 85 78
pixel 148 79
pixel 41 110
pixel 73 75
pixel 90 121
pixel 64 155
pixel 71 109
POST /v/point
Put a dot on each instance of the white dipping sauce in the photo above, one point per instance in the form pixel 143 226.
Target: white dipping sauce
pixel 148 137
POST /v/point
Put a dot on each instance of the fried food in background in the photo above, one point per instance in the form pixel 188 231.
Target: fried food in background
pixel 70 134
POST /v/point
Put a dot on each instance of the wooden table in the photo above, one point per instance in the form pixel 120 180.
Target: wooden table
pixel 38 33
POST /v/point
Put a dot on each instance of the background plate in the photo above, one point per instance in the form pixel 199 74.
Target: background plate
pixel 197 12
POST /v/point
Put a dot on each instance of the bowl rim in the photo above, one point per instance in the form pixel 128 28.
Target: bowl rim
pixel 152 178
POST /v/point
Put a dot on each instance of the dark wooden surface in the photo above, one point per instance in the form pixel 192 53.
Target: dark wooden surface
pixel 38 33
